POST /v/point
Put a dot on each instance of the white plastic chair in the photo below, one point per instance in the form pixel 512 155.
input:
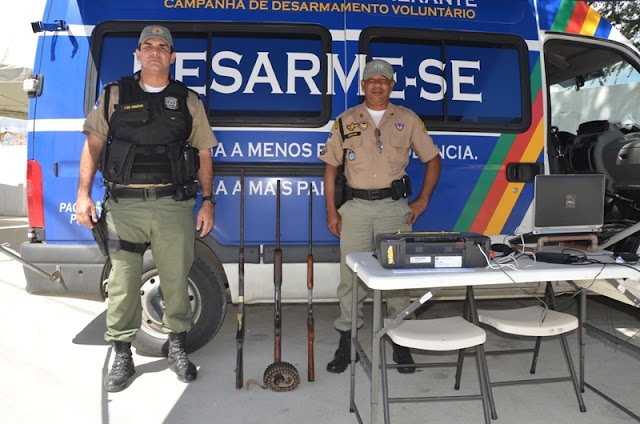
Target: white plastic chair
pixel 441 334
pixel 538 322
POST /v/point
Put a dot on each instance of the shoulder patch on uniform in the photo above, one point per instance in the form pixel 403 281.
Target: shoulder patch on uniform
pixel 106 87
pixel 424 128
pixel 324 150
pixel 335 126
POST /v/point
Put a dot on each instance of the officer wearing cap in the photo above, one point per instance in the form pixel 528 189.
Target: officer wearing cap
pixel 150 137
pixel 373 141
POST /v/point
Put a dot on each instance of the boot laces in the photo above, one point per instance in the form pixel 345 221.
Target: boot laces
pixel 178 354
pixel 121 363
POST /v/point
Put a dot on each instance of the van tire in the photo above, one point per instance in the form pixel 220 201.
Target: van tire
pixel 207 289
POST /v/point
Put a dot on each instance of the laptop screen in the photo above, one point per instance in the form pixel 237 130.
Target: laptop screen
pixel 568 203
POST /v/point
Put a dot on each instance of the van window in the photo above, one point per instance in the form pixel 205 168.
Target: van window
pixel 593 98
pixel 590 83
pixel 458 82
pixel 247 74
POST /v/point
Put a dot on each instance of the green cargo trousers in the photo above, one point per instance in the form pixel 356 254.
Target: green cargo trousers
pixel 361 221
pixel 170 228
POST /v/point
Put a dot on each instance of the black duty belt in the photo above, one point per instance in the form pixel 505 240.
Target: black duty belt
pixel 378 194
pixel 143 193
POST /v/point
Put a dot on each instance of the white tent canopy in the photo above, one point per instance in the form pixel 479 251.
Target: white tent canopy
pixel 17 54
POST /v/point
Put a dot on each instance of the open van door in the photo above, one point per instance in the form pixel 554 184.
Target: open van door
pixel 594 126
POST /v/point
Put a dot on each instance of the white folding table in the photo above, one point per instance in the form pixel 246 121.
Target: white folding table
pixel 378 279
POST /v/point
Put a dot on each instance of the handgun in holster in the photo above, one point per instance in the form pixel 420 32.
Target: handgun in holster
pixel 101 233
pixel 401 188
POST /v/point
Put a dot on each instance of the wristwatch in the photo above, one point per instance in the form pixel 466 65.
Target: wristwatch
pixel 211 198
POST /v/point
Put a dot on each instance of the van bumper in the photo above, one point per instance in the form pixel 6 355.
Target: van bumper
pixel 79 265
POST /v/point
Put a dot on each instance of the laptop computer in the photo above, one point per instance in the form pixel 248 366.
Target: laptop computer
pixel 566 203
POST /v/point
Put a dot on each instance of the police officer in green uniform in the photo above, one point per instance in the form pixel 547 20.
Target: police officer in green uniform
pixel 374 139
pixel 152 140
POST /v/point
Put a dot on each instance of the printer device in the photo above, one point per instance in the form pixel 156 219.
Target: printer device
pixel 432 250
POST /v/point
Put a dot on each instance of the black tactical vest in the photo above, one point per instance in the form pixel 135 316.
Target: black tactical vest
pixel 148 135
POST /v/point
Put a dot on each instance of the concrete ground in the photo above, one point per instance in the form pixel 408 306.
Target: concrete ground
pixel 53 358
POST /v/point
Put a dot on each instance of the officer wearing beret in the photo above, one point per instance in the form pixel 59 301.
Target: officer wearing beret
pixel 151 138
pixel 373 141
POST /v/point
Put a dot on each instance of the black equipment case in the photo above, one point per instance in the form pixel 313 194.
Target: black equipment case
pixel 432 250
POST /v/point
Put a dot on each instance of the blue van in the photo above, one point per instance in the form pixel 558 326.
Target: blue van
pixel 507 89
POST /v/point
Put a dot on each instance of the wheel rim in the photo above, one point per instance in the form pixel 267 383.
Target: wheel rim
pixel 153 304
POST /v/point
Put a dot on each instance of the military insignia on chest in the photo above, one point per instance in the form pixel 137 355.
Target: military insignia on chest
pixel 364 125
pixel 399 126
pixel 171 103
pixel 352 155
pixel 352 126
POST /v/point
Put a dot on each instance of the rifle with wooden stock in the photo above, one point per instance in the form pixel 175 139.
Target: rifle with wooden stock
pixel 311 375
pixel 279 376
pixel 240 313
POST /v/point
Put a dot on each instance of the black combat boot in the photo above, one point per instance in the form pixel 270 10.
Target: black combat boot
pixel 178 361
pixel 402 356
pixel 122 369
pixel 342 357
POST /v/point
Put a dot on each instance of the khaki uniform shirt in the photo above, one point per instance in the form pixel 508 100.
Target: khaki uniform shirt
pixel 201 134
pixel 367 167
